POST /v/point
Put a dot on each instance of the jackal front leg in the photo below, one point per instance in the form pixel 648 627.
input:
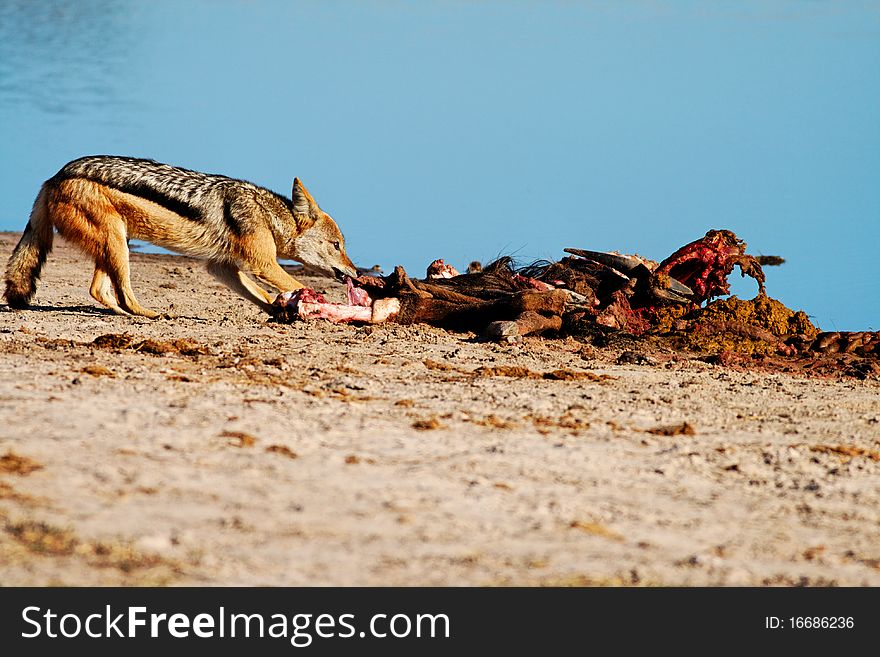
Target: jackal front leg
pixel 273 274
pixel 117 268
pixel 230 275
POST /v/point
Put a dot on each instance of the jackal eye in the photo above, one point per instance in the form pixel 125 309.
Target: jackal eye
pixel 336 245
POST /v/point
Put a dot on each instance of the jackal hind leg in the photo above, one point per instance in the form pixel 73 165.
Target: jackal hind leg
pixel 235 279
pixel 102 290
pixel 117 267
pixel 85 216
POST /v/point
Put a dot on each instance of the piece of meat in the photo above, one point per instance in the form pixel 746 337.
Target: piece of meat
pixel 534 282
pixel 306 303
pixel 439 269
pixel 334 312
pixel 302 295
pixel 357 296
pixel 704 264
pixel 620 315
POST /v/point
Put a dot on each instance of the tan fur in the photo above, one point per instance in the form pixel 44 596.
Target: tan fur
pixel 100 220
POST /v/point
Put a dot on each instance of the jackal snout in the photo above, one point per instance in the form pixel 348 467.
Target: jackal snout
pixel 320 243
pixel 323 247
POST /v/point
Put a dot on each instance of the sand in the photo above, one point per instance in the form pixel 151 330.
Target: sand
pixel 217 448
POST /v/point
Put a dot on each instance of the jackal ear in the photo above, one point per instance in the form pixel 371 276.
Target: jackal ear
pixel 302 200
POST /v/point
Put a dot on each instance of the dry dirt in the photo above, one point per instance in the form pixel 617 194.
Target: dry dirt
pixel 219 448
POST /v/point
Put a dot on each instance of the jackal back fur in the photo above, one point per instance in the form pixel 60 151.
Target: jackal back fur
pixel 100 202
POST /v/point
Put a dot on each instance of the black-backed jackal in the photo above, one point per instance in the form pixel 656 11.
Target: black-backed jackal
pixel 100 202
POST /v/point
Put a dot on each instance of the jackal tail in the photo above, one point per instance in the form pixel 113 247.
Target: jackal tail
pixel 23 269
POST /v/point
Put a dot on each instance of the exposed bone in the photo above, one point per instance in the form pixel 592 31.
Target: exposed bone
pixel 305 303
pixel 384 310
pixel 335 312
pixel 576 300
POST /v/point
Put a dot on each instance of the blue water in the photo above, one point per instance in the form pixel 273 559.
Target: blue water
pixel 465 130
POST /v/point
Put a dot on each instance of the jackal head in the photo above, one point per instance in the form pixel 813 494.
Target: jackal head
pixel 319 242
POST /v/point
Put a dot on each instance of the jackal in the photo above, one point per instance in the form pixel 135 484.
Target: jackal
pixel 100 202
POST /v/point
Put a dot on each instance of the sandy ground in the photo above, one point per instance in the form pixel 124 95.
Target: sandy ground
pixel 256 453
